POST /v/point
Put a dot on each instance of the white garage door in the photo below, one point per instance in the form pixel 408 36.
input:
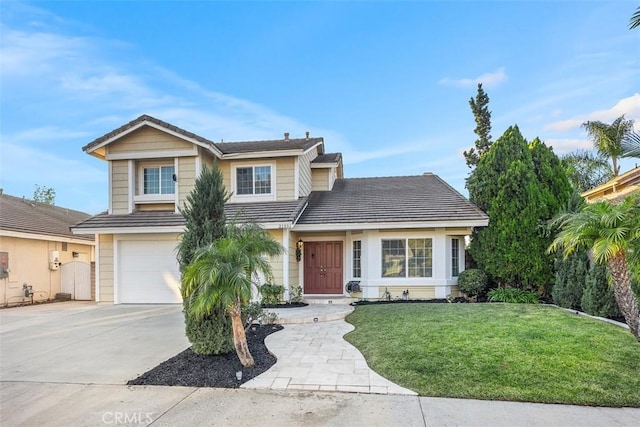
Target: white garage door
pixel 148 272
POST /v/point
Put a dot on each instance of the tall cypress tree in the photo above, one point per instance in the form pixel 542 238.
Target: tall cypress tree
pixel 520 187
pixel 482 115
pixel 204 224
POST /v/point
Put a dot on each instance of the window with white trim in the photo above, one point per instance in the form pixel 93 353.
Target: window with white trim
pixel 407 258
pixel 253 180
pixel 158 180
pixel 357 258
pixel 455 257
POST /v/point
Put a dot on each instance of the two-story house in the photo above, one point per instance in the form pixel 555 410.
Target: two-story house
pixel 392 234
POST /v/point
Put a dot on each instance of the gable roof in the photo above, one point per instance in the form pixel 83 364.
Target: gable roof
pixel 221 148
pixel 136 123
pixel 20 215
pixel 402 199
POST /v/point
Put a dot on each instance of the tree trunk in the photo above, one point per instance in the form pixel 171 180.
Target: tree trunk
pixel 625 297
pixel 239 337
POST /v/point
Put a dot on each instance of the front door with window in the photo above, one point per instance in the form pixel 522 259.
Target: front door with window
pixel 323 268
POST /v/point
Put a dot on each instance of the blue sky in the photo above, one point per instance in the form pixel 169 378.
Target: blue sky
pixel 385 83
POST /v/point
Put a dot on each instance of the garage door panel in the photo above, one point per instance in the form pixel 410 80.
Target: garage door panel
pixel 148 272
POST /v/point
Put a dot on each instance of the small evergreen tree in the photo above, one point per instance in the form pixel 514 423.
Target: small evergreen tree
pixel 571 274
pixel 204 224
pixel 482 115
pixel 44 194
pixel 598 298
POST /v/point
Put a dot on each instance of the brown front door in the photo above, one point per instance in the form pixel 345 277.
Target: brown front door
pixel 323 267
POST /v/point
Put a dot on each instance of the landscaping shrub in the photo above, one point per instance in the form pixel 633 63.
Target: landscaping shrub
pixel 571 274
pixel 513 295
pixel 472 282
pixel 598 298
pixel 210 334
pixel 271 294
pixel 295 294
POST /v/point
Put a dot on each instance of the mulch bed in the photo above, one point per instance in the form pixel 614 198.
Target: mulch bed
pixel 285 305
pixel 194 370
pixel 410 301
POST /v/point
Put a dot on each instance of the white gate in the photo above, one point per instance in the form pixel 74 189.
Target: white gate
pixel 76 280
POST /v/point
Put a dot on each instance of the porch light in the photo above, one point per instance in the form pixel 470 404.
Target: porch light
pixel 299 246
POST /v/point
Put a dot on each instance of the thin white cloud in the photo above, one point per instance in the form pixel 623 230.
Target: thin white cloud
pixel 568 145
pixel 491 79
pixel 629 106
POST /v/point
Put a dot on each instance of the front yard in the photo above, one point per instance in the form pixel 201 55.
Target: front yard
pixel 500 352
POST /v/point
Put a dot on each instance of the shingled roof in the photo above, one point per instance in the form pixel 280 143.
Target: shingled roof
pixel 26 216
pixel 263 212
pixel 286 144
pixel 271 145
pixel 328 158
pixel 422 198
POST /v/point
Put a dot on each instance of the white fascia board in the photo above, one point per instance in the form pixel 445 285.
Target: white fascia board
pixel 46 237
pixel 324 165
pixel 153 154
pixel 161 128
pixel 276 225
pixel 129 230
pixel 389 225
pixel 261 154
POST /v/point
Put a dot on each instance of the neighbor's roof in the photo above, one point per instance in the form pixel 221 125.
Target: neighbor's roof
pixel 26 216
pixel 422 198
pixel 262 212
pixel 616 188
pixel 224 147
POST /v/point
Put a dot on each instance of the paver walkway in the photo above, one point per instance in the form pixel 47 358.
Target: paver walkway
pixel 314 356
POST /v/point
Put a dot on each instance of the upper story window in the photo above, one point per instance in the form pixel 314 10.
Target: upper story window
pixel 407 258
pixel 253 180
pixel 158 180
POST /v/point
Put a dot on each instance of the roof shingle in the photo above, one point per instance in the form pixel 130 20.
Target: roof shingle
pixel 27 216
pixel 389 199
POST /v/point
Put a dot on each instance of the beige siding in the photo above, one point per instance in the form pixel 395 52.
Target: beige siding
pixel 119 187
pixel 276 262
pixel 105 265
pixel 320 179
pixel 225 168
pixel 155 207
pixel 304 169
pixel 415 292
pixel 285 179
pixel 29 263
pixel 186 177
pixel 148 139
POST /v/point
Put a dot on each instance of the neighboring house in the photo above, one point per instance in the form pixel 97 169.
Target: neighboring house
pixel 617 188
pixel 37 248
pixel 395 234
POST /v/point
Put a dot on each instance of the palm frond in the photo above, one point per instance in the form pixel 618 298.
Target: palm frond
pixel 634 22
pixel 631 145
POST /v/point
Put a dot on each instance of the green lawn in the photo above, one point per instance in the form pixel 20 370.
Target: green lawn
pixel 515 352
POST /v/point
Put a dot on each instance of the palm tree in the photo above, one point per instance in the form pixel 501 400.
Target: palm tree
pixel 631 145
pixel 586 169
pixel 634 22
pixel 607 138
pixel 611 232
pixel 224 273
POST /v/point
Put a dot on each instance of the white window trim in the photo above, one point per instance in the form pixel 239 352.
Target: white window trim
pixel 451 258
pixel 141 198
pixel 353 259
pixel 253 197
pixel 406 258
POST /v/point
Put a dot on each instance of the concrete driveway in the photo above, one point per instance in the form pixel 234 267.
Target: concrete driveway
pixel 87 343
